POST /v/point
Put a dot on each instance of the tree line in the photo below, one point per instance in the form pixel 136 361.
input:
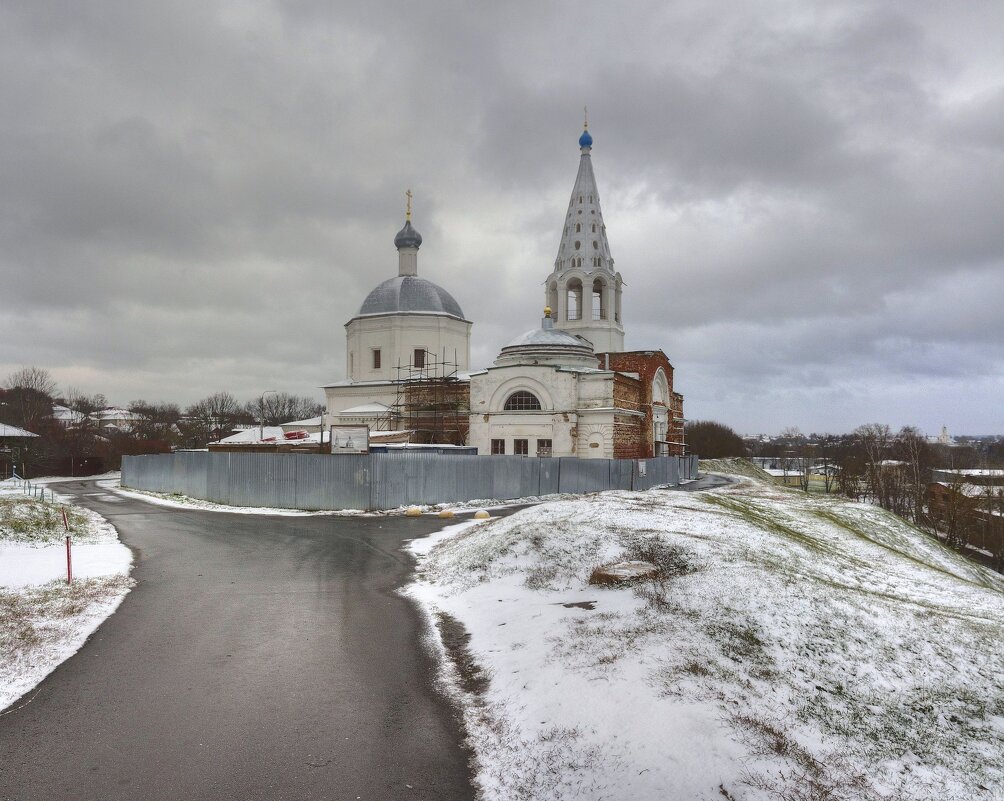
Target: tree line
pixel 80 445
pixel 893 469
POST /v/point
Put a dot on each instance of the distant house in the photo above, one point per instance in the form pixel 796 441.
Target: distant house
pixel 114 419
pixel 970 505
pixel 67 417
pixel 13 442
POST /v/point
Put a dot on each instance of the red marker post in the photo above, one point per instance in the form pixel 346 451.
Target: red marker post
pixel 69 558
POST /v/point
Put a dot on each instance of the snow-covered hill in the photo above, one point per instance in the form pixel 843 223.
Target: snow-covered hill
pixel 793 647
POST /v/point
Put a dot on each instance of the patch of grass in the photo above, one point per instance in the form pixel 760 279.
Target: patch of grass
pixel 38 522
pixel 541 577
pixel 669 558
pixel 736 467
pixel 473 679
pixel 33 617
pixel 830 777
pixel 739 641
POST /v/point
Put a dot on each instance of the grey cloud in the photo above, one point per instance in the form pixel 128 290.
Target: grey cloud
pixel 804 201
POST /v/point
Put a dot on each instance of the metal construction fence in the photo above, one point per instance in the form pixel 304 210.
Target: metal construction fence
pixel 387 480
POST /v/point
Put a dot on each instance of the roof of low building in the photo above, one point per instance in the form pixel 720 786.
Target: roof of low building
pixel 13 432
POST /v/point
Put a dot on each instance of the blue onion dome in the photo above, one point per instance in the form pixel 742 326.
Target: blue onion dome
pixel 586 140
pixel 407 237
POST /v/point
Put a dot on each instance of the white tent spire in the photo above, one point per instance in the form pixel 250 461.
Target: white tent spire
pixel 584 284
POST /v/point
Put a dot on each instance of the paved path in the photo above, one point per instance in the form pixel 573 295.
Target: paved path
pixel 258 657
pixel 705 482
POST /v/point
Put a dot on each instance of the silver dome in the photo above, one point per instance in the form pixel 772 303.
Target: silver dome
pixel 547 337
pixel 409 293
pixel 548 345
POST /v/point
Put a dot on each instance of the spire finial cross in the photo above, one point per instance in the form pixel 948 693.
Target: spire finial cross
pixel 407 213
pixel 585 117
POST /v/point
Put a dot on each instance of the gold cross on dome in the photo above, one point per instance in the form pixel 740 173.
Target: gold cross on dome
pixel 407 214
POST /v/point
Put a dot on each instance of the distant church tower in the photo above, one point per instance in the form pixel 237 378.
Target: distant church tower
pixel 584 292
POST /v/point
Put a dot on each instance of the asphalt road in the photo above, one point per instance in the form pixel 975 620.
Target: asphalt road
pixel 258 657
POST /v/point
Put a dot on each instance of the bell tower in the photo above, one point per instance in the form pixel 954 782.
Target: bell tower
pixel 584 291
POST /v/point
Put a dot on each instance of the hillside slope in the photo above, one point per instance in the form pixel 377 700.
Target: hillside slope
pixel 791 647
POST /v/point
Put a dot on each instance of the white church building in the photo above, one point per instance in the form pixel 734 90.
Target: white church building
pixel 567 388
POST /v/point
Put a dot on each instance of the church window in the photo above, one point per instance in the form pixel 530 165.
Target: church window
pixel 543 447
pixel 590 198
pixel 376 358
pixel 594 228
pixel 574 300
pixel 419 358
pixel 599 300
pixel 596 245
pixel 498 447
pixel 578 244
pixel 522 401
pixel 580 198
pixel 521 447
pixel 578 227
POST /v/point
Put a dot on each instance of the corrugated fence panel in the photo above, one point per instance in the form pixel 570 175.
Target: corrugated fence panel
pixel 506 480
pixel 191 474
pixel 333 482
pixel 547 476
pixel 387 480
pixel 221 481
pixel 673 471
pixel 584 475
pixel 621 473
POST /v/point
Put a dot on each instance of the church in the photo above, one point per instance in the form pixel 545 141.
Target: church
pixel 567 388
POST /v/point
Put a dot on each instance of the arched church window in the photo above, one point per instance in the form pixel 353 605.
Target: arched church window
pixel 596 245
pixel 578 244
pixel 599 300
pixel 578 227
pixel 573 300
pixel 594 228
pixel 522 401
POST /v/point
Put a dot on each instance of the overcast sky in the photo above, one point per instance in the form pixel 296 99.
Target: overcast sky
pixel 805 200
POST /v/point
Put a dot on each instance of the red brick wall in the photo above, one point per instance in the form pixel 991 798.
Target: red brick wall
pixel 636 440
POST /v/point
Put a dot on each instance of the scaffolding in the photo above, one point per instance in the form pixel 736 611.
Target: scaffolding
pixel 431 402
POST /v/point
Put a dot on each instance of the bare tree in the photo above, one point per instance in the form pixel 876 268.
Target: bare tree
pixel 156 421
pixel 281 407
pixel 912 448
pixel 214 417
pixel 85 404
pixel 27 403
pixel 874 439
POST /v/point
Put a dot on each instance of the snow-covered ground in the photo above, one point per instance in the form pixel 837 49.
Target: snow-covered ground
pixel 793 647
pixel 44 621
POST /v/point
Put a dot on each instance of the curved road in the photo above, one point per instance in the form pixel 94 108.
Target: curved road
pixel 258 657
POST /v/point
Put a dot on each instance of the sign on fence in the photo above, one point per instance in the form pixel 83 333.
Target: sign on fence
pixel 350 439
